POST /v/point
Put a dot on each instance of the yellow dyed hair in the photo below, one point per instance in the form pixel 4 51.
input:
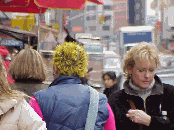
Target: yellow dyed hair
pixel 71 59
pixel 143 51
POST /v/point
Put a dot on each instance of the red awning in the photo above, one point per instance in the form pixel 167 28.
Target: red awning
pixel 34 6
pixel 8 3
pixel 30 8
pixel 97 1
pixel 61 4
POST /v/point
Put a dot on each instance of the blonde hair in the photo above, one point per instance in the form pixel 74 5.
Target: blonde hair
pixel 71 59
pixel 5 91
pixel 28 64
pixel 142 51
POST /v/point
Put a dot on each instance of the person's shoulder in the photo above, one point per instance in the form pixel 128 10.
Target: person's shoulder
pixel 169 88
pixel 102 96
pixel 44 92
pixel 116 95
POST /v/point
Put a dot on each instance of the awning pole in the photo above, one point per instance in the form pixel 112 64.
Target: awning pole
pixel 39 19
pixel 29 41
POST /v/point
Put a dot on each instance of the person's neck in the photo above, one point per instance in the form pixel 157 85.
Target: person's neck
pixel 142 90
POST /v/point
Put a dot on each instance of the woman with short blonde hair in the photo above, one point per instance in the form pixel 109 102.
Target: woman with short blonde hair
pixel 12 103
pixel 145 103
pixel 144 51
pixel 29 71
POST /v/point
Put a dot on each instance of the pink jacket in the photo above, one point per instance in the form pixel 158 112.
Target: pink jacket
pixel 109 125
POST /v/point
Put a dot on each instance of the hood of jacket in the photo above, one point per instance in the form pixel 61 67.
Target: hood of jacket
pixel 65 79
pixel 7 104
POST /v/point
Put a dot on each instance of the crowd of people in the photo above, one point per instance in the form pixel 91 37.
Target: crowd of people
pixel 70 103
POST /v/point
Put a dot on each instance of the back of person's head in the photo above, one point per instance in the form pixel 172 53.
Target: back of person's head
pixel 5 91
pixel 141 52
pixel 28 65
pixel 111 75
pixel 71 59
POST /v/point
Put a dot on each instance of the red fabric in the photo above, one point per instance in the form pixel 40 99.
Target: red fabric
pixel 34 104
pixel 14 2
pixel 30 8
pixel 61 4
pixel 97 1
pixel 109 125
pixel 3 51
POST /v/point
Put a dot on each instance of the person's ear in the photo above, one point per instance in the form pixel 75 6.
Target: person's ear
pixel 55 69
pixel 129 69
pixel 115 81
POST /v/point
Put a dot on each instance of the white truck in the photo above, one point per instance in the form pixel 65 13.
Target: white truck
pixel 129 36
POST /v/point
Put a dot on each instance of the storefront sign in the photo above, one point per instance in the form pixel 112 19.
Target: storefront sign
pixel 11 42
pixel 135 37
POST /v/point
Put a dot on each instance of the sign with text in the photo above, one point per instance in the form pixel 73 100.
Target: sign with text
pixel 10 42
pixel 93 48
pixel 135 37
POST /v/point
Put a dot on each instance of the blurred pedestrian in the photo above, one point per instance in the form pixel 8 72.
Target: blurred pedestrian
pixel 110 82
pixel 29 71
pixel 64 104
pixel 86 79
pixel 6 61
pixel 145 103
pixel 15 112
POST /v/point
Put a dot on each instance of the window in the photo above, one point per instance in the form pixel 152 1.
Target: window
pixel 106 28
pixel 88 18
pixel 106 37
pixel 92 28
pixel 108 17
pixel 91 8
pixel 107 7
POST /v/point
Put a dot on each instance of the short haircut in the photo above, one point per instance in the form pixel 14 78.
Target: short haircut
pixel 142 51
pixel 71 59
pixel 111 75
pixel 28 64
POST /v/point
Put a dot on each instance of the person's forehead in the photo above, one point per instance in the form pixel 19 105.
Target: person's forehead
pixel 106 76
pixel 145 63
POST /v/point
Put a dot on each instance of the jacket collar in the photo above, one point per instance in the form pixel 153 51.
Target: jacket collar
pixel 112 88
pixel 6 105
pixel 65 79
pixel 156 90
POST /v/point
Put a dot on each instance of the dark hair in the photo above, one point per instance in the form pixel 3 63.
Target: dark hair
pixel 90 69
pixel 111 75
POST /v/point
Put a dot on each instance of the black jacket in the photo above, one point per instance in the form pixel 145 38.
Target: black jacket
pixel 109 91
pixel 162 95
